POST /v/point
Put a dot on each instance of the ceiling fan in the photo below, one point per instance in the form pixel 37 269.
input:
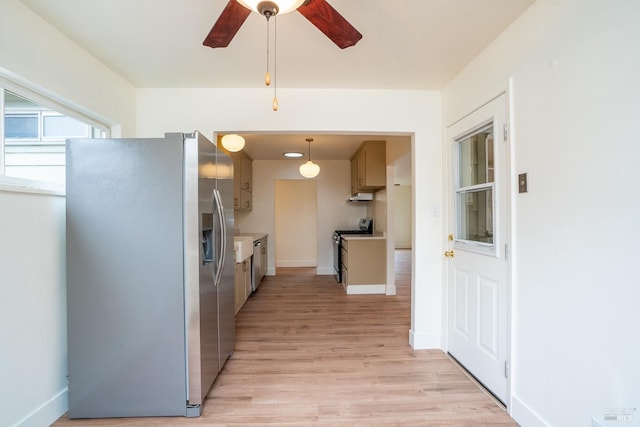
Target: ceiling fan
pixel 318 12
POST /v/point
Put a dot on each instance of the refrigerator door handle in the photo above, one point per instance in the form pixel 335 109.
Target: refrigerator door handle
pixel 223 237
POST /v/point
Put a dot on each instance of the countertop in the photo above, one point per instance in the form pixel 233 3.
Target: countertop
pixel 374 236
pixel 255 236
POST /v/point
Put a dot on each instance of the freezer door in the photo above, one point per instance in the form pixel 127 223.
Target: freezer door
pixel 125 295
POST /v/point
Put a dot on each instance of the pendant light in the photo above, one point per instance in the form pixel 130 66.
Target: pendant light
pixel 309 169
pixel 233 142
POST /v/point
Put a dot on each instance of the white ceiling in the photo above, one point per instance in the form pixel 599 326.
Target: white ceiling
pixel 406 44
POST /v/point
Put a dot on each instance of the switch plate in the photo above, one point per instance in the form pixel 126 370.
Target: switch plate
pixel 522 183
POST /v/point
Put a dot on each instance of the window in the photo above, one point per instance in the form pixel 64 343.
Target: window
pixel 33 140
pixel 20 126
pixel 475 188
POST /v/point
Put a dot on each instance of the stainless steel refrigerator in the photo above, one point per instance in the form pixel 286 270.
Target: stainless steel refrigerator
pixel 150 274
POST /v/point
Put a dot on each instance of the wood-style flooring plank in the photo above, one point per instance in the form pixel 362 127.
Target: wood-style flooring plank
pixel 308 354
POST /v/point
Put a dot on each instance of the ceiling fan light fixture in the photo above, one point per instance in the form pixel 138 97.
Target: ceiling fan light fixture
pixel 272 7
pixel 233 142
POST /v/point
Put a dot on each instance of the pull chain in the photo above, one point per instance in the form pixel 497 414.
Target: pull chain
pixel 275 64
pixel 267 76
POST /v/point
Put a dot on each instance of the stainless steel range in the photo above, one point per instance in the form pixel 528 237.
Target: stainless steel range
pixel 365 226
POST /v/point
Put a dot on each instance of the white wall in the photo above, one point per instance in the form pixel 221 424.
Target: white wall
pixel 379 207
pixel 33 328
pixel 402 220
pixel 39 56
pixel 32 226
pixel 341 111
pixel 576 99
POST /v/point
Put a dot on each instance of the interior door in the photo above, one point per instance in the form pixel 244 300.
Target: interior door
pixel 477 270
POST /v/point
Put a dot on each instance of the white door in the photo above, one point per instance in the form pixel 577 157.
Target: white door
pixel 477 273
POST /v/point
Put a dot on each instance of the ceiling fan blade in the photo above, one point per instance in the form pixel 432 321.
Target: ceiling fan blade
pixel 227 25
pixel 330 22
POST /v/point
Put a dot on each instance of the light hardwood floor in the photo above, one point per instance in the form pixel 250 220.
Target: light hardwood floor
pixel 308 354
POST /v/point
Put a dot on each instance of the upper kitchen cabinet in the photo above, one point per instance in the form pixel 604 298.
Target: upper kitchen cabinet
pixel 242 181
pixel 369 167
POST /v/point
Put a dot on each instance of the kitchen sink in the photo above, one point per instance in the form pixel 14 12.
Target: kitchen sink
pixel 242 247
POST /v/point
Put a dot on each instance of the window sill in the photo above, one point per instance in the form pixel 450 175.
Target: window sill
pixel 20 185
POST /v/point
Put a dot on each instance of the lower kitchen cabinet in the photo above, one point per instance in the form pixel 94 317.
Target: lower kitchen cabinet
pixel 243 282
pixel 364 265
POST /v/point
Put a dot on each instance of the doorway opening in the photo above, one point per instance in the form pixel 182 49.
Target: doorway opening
pixel 296 223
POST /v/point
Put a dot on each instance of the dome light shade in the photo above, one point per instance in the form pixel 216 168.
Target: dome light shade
pixel 284 6
pixel 309 169
pixel 233 142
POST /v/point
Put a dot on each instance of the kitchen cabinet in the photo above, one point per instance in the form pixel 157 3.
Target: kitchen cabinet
pixel 242 181
pixel 243 282
pixel 364 264
pixel 369 167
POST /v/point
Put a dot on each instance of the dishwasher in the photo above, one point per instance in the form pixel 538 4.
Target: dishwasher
pixel 258 263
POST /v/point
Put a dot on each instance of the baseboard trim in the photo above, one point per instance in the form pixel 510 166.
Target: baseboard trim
pixel 419 341
pixel 47 413
pixel 297 263
pixel 524 415
pixel 325 271
pixel 391 289
pixel 364 289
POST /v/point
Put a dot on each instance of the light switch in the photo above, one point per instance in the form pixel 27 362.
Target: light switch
pixel 522 183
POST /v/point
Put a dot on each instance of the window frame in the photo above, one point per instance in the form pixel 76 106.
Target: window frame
pixel 459 192
pixel 57 105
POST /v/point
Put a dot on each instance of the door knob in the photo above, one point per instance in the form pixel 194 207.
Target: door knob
pixel 448 254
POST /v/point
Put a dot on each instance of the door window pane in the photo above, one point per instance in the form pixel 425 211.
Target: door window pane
pixel 476 158
pixel 475 216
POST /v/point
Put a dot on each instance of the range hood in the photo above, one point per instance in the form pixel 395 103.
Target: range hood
pixel 361 197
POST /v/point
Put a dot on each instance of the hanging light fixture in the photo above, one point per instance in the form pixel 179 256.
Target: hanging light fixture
pixel 233 142
pixel 279 6
pixel 309 169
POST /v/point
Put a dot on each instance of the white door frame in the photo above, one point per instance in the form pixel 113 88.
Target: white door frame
pixel 450 224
